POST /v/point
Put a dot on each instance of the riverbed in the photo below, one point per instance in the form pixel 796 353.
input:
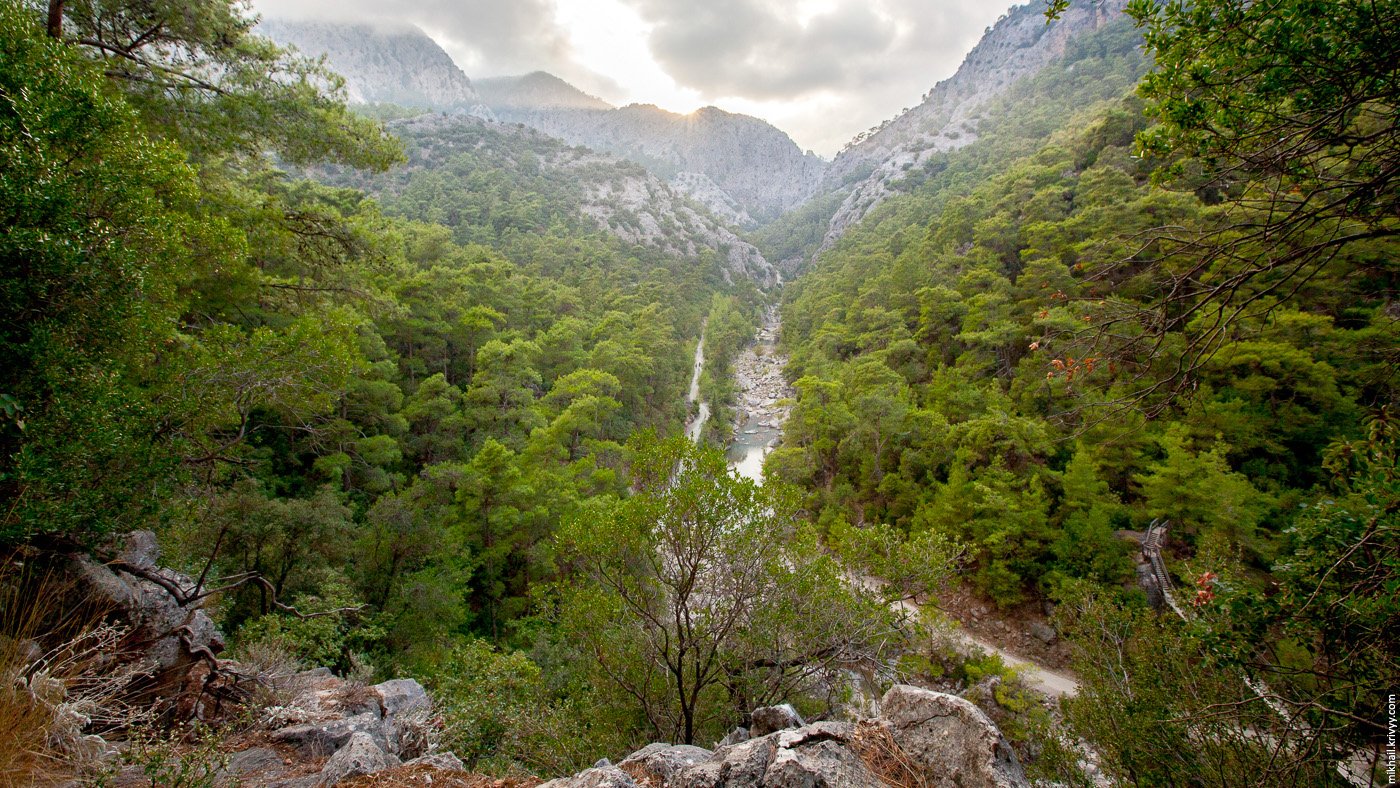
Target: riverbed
pixel 763 400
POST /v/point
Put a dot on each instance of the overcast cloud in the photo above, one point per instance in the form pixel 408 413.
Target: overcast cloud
pixel 821 70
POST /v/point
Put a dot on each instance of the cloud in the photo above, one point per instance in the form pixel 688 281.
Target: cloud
pixel 822 70
pixel 767 49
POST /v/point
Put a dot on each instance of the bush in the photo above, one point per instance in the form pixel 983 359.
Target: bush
pixel 500 717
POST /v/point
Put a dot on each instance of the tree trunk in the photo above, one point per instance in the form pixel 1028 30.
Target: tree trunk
pixel 55 25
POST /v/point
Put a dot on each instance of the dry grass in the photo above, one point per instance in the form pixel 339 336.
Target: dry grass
pixel 57 677
pixel 62 673
pixel 885 758
pixel 418 776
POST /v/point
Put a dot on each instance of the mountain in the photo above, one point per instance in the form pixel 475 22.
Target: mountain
pixel 494 183
pixel 740 167
pixel 1020 45
pixel 389 64
pixel 537 90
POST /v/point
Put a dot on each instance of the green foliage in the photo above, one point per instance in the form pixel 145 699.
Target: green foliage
pixel 190 757
pixel 501 716
pixel 99 224
pixel 326 629
pixel 701 597
pixel 200 77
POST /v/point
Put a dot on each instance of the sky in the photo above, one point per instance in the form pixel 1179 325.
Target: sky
pixel 821 70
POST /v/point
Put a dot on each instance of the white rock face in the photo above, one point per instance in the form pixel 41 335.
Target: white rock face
pixel 643 210
pixel 1018 46
pixel 621 198
pixel 392 65
pixel 752 172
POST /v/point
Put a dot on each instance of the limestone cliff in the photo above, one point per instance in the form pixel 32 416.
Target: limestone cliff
pixel 381 64
pixel 741 168
pixel 1018 46
pixel 565 183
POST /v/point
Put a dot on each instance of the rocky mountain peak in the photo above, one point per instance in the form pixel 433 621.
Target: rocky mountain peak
pixel 387 63
pixel 740 167
pixel 1019 45
pixel 536 90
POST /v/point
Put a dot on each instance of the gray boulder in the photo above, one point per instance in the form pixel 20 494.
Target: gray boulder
pixel 140 549
pixel 739 734
pixel 446 761
pixel 822 764
pixel 597 777
pixel 774 718
pixel 929 737
pixel 1043 632
pixel 360 756
pixel 172 634
pixel 398 696
pixel 658 763
pixel 256 766
pixel 954 742
pixel 792 757
pixel 314 740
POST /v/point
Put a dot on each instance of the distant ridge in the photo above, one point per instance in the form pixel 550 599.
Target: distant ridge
pixel 742 168
pixel 536 90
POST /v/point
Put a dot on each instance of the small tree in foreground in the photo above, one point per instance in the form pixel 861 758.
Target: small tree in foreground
pixel 703 595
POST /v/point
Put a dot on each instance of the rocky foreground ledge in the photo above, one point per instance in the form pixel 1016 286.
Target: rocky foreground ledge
pixel 315 729
pixel 920 738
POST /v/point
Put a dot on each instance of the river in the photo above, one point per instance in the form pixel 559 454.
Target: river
pixel 762 408
pixel 762 403
pixel 696 426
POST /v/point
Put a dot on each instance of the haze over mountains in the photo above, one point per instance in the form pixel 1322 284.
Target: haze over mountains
pixel 742 169
pixel 382 63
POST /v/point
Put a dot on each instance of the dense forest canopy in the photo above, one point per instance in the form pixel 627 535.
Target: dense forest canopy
pixel 412 409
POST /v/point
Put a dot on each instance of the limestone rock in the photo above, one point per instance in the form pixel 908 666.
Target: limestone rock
pixel 824 764
pixel 621 198
pixel 403 695
pixel 361 755
pixel 446 761
pixel 742 168
pixel 381 63
pixel 140 549
pixel 597 777
pixel 947 740
pixel 314 740
pixel 1020 45
pixel 171 635
pixel 774 718
pixel 658 763
pixel 739 734
pixel 956 743
pixel 258 765
pixel 1043 632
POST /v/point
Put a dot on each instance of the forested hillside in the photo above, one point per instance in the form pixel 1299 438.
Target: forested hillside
pixel 1074 328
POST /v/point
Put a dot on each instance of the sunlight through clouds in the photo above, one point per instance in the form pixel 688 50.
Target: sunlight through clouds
pixel 821 70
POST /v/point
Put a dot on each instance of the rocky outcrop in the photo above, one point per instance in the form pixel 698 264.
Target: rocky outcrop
pixel 741 168
pixel 167 632
pixel 619 197
pixel 1018 46
pixel 390 64
pixel 163 656
pixel 934 728
pixel 920 738
pixel 360 756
